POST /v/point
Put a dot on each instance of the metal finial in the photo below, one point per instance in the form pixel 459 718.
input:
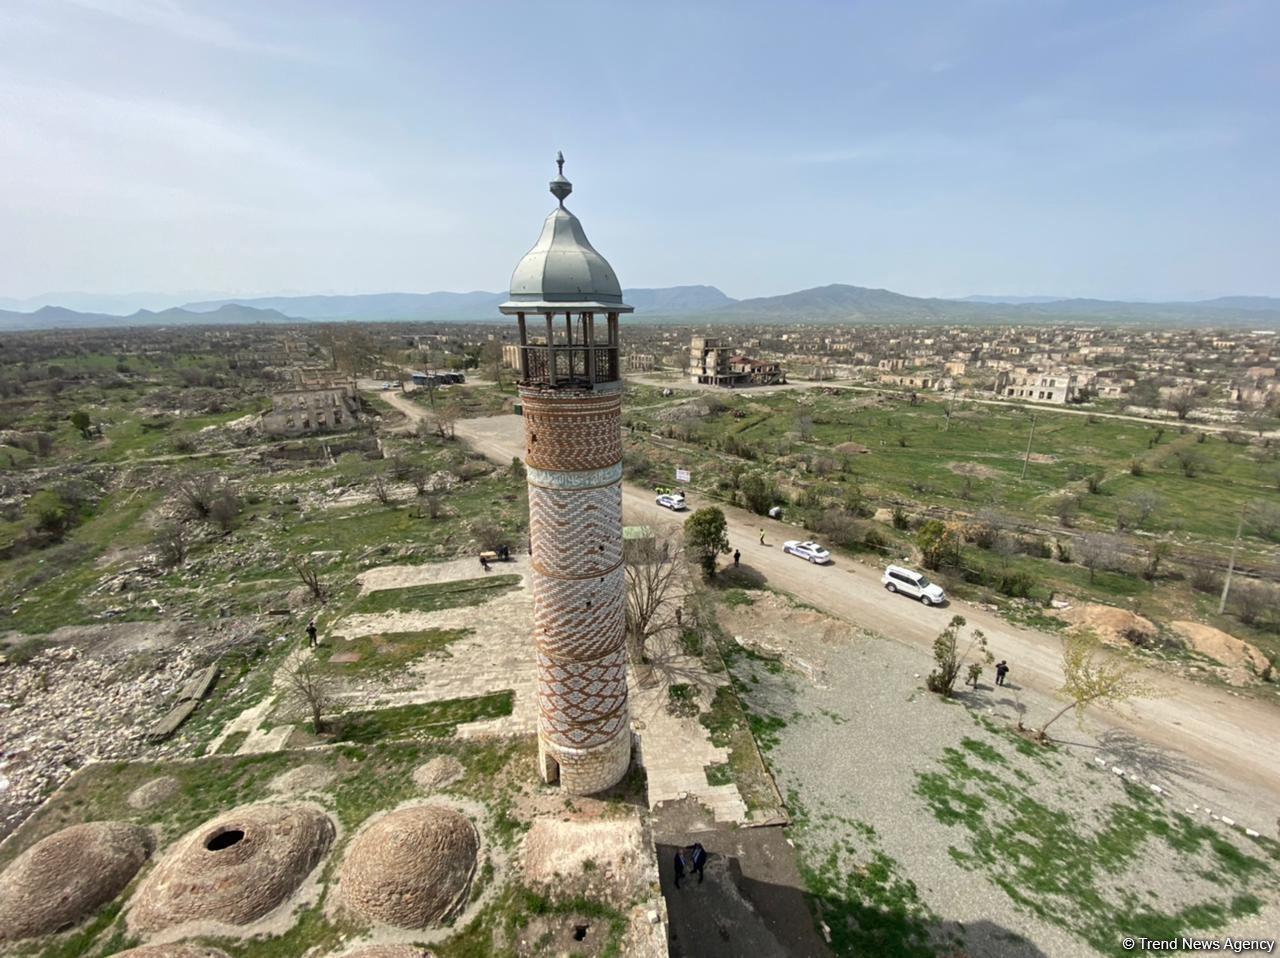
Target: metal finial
pixel 560 187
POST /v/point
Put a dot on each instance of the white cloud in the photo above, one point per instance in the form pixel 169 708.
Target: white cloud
pixel 181 20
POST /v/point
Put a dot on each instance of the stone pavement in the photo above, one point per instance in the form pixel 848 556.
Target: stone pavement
pixel 676 750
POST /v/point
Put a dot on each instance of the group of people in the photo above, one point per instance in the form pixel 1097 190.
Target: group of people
pixel 502 552
pixel 692 858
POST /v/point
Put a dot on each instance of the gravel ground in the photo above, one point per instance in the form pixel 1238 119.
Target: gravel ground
pixel 851 756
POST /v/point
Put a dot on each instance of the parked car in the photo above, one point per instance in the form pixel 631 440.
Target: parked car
pixel 807 550
pixel 386 385
pixel 898 579
pixel 671 500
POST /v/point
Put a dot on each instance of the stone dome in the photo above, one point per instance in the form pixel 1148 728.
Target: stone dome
pixel 411 868
pixel 234 868
pixel 563 270
pixel 64 878
pixel 176 950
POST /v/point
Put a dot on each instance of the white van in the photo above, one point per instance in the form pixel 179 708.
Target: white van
pixel 898 579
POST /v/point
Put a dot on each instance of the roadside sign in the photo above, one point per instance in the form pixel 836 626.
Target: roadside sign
pixel 682 475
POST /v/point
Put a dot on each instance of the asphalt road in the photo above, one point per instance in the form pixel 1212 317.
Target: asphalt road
pixel 1234 736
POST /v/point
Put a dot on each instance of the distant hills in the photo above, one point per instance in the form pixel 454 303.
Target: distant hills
pixel 56 317
pixel 701 304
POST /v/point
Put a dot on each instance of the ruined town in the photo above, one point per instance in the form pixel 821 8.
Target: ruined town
pixel 583 619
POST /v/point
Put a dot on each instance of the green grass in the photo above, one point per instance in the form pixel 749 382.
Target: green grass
pixel 231 743
pixel 426 720
pixel 1084 872
pixel 437 595
pixel 386 651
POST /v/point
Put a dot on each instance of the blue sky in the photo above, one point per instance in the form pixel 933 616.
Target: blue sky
pixel 1105 149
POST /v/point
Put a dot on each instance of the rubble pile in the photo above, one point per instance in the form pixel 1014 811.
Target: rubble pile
pixel 64 708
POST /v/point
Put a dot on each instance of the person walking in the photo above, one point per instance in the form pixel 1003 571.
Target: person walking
pixel 312 641
pixel 737 555
pixel 699 859
pixel 1002 669
pixel 484 563
pixel 679 862
pixel 762 537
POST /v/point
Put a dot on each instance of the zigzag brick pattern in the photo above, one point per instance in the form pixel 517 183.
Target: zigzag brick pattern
pixel 582 619
pixel 573 446
pixel 576 532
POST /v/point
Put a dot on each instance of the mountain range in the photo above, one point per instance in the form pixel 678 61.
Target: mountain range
pixel 701 304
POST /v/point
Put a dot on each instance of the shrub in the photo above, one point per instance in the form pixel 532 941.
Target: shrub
pixel 1203 578
pixel 1136 468
pixel 900 518
pixel 938 544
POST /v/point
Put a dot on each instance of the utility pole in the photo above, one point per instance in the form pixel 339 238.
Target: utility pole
pixel 1231 566
pixel 1027 458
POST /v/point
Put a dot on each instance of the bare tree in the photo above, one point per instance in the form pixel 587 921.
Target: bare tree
pixel 652 572
pixel 309 687
pixel 420 476
pixel 1092 679
pixel 225 509
pixel 171 544
pixel 1182 402
pixel 310 576
pixel 1137 508
pixel 1191 461
pixel 1095 552
pixel 1263 517
pixel 444 418
pixel 197 492
pixel 381 490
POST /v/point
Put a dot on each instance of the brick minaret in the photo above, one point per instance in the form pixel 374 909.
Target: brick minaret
pixel 567 300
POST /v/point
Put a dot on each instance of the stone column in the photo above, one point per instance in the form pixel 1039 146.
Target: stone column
pixel 573 454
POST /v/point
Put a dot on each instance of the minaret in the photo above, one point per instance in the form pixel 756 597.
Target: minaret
pixel 567 300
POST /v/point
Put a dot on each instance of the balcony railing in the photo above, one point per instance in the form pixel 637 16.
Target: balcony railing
pixel 569 365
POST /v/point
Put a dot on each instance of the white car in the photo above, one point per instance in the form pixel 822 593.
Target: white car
pixel 807 550
pixel 898 579
pixel 386 385
pixel 671 500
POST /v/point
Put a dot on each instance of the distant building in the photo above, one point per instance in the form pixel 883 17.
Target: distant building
pixel 1040 385
pixel 640 362
pixel 712 363
pixel 300 411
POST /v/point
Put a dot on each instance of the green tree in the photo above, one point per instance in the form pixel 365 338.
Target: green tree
pixel 706 535
pixel 938 544
pixel 80 419
pixel 1091 679
pixel 949 658
pixel 757 493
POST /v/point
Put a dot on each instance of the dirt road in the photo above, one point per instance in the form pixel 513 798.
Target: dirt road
pixel 1236 737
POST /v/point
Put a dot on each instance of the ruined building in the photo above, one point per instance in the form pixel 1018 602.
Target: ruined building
pixel 567 300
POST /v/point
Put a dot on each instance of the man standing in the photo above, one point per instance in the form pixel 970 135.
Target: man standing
pixel 1002 669
pixel 699 859
pixel 312 641
pixel 762 536
pixel 679 865
pixel 737 554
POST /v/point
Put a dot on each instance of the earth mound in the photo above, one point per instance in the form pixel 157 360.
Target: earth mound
pixel 1221 646
pixel 173 951
pixel 556 856
pixel 304 778
pixel 411 868
pixel 440 772
pixel 154 792
pixel 235 868
pixel 65 877
pixel 1113 626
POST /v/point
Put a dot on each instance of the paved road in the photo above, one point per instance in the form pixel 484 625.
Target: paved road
pixel 1237 737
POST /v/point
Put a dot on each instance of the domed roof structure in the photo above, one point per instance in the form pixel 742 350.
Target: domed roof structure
pixel 563 270
pixel 412 868
pixel 234 868
pixel 64 878
pixel 176 950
